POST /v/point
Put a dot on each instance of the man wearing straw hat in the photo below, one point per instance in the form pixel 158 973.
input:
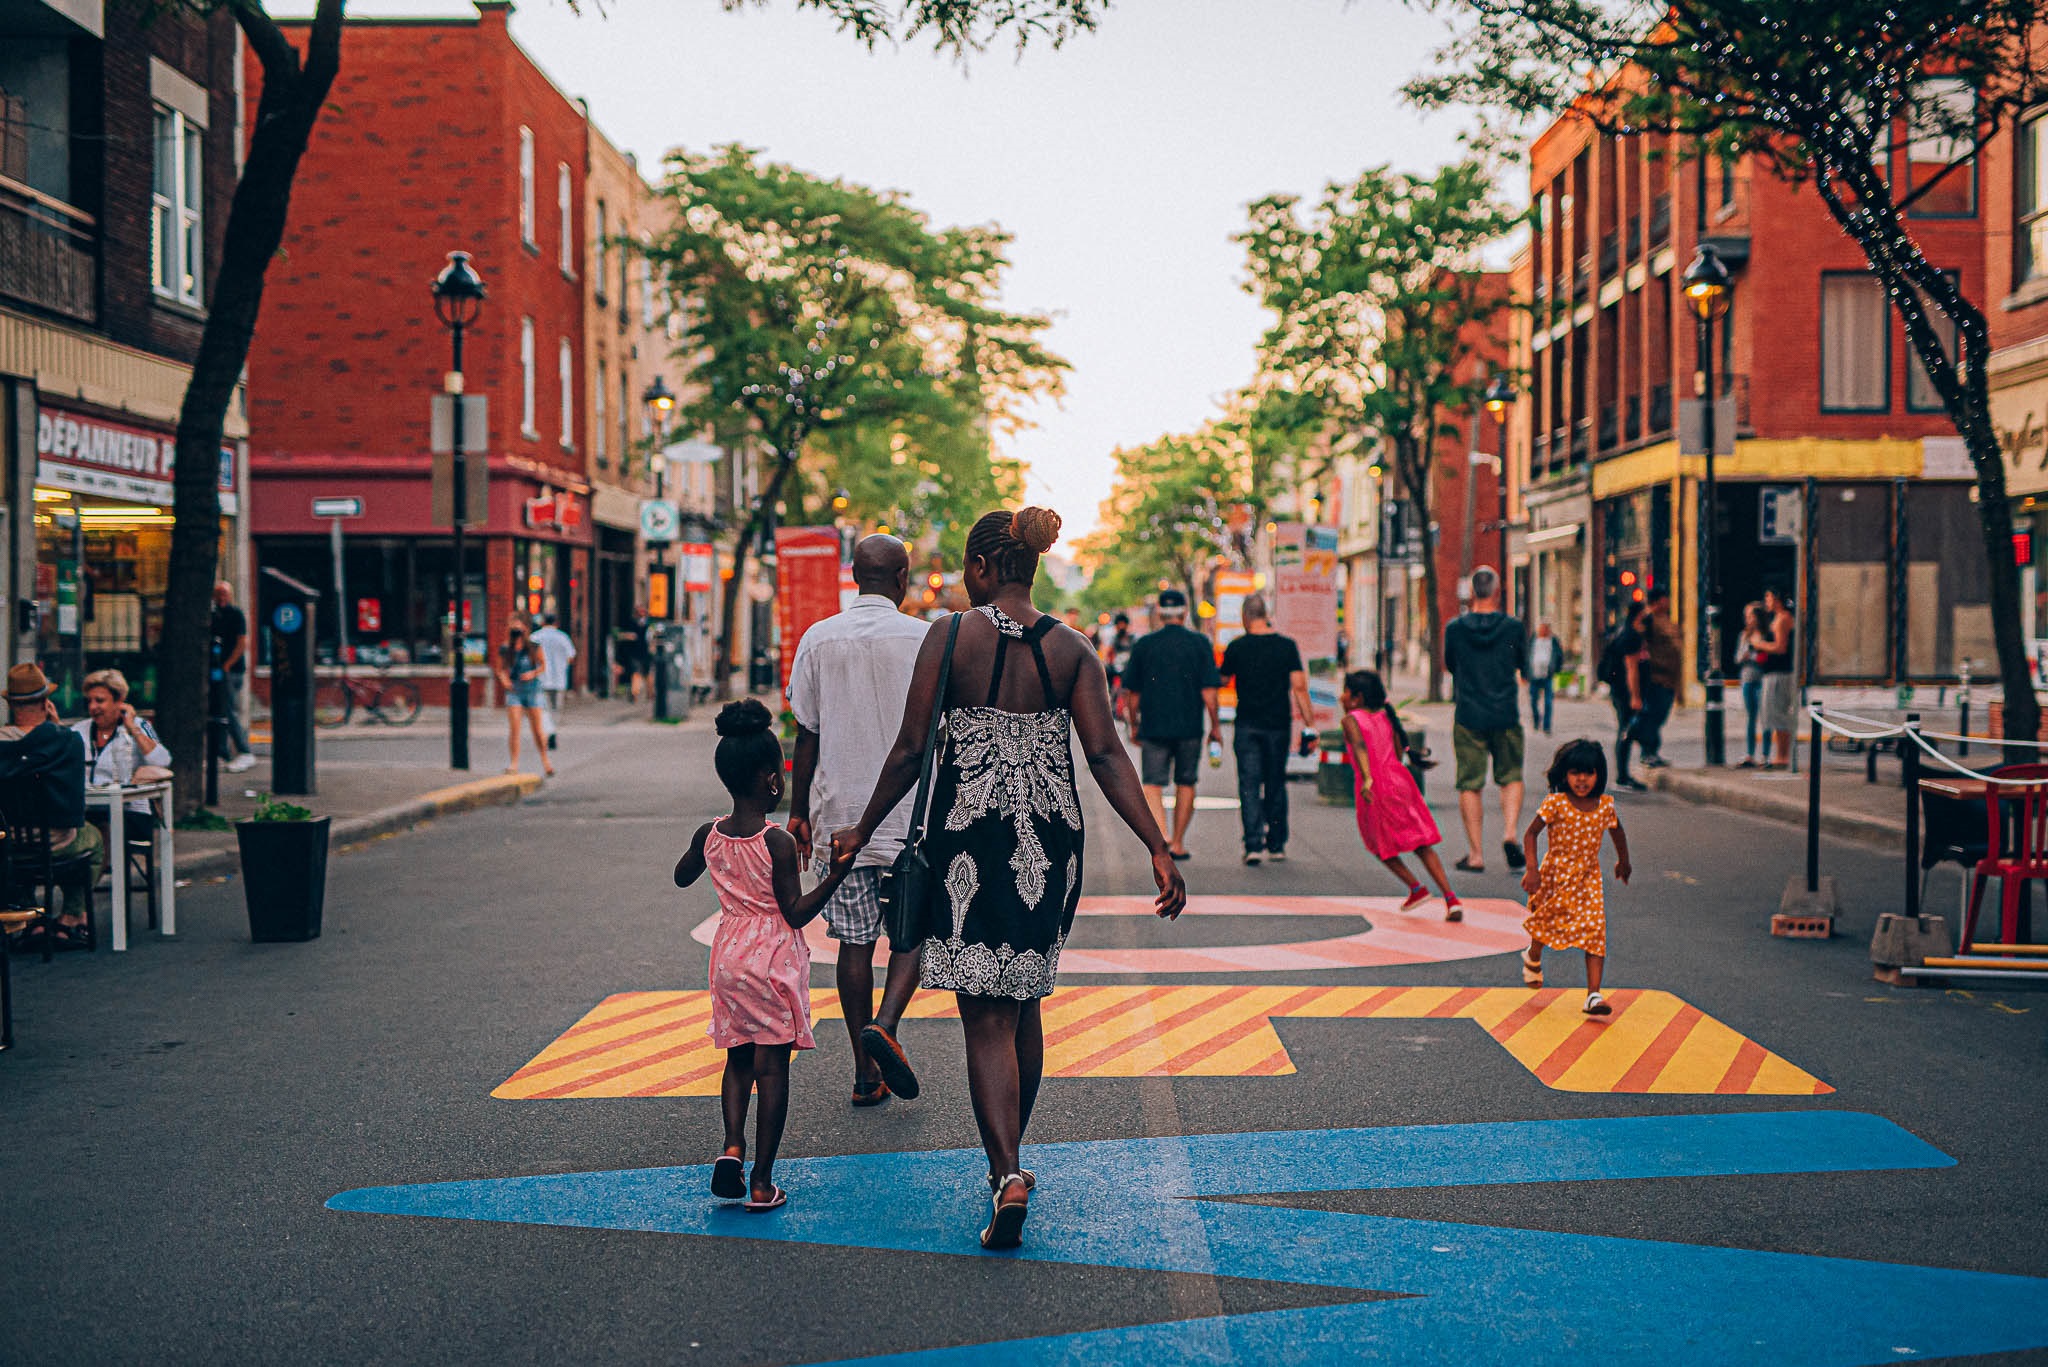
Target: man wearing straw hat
pixel 48 761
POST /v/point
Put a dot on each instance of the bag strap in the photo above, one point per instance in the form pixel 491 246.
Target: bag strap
pixel 931 737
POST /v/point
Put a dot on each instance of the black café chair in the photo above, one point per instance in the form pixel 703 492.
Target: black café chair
pixel 34 870
pixel 14 916
pixel 1953 830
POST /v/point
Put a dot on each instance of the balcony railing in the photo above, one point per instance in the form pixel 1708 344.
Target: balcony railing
pixel 1610 255
pixel 1610 427
pixel 1582 440
pixel 1561 445
pixel 1582 278
pixel 1635 238
pixel 1660 219
pixel 1632 418
pixel 1539 453
pixel 49 254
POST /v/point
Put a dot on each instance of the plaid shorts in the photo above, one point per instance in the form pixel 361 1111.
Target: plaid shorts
pixel 855 912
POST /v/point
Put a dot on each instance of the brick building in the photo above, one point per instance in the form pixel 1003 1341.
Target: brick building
pixel 440 135
pixel 2015 189
pixel 1834 429
pixel 119 139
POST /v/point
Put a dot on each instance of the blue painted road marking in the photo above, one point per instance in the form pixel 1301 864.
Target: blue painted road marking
pixel 1478 1294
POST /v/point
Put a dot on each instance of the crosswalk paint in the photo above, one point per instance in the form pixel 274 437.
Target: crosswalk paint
pixel 655 1044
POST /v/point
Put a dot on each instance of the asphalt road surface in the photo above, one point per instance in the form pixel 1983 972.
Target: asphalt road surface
pixel 228 1152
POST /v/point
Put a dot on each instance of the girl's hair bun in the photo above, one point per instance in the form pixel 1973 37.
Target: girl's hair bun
pixel 1037 528
pixel 747 717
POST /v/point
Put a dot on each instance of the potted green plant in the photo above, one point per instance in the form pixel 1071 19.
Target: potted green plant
pixel 284 870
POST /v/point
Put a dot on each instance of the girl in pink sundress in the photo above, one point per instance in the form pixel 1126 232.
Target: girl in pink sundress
pixel 1392 817
pixel 760 965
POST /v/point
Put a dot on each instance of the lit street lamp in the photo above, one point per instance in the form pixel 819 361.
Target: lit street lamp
pixel 661 401
pixel 458 299
pixel 1710 291
pixel 1499 394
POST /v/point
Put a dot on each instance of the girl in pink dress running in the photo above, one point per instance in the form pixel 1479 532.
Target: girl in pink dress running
pixel 1392 817
pixel 760 965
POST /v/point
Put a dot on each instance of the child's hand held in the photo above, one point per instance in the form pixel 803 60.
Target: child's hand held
pixel 1622 870
pixel 1530 882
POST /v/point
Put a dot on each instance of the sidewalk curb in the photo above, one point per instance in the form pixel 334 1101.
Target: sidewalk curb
pixel 499 790
pixel 1692 786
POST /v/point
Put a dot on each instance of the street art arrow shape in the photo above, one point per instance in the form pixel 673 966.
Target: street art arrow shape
pixel 1472 1294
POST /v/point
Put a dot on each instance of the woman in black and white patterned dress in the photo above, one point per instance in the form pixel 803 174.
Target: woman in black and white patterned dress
pixel 1004 834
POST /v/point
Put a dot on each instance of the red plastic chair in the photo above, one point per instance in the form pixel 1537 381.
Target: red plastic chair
pixel 2018 844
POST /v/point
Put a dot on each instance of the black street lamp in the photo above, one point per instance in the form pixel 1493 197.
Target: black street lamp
pixel 458 299
pixel 1499 394
pixel 1710 290
pixel 661 401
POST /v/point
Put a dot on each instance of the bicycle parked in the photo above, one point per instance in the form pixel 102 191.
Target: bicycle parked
pixel 395 702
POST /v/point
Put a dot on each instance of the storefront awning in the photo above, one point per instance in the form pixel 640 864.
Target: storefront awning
pixel 1551 536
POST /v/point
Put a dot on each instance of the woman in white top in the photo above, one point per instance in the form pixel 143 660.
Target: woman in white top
pixel 117 741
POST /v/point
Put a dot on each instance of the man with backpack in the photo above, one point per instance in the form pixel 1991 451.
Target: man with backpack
pixel 1622 661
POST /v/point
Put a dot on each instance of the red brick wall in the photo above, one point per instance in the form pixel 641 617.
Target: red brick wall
pixel 417 155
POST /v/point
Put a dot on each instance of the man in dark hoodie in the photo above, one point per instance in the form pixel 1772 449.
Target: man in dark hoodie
pixel 47 761
pixel 1484 651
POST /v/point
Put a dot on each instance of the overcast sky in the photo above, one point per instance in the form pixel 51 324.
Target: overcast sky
pixel 1121 162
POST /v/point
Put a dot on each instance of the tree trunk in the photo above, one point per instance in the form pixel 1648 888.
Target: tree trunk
pixel 292 100
pixel 729 609
pixel 1416 475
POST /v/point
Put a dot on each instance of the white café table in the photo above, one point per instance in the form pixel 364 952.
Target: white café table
pixel 115 798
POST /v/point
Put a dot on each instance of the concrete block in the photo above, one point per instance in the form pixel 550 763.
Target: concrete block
pixel 1907 941
pixel 1797 901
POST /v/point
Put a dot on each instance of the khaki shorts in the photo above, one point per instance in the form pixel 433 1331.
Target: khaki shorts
pixel 1474 748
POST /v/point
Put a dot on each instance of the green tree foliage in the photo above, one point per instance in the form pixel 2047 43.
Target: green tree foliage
pixel 825 316
pixel 1379 310
pixel 1822 91
pixel 956 25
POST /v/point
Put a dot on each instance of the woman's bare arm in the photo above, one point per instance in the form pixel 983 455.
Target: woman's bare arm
pixel 899 771
pixel 691 866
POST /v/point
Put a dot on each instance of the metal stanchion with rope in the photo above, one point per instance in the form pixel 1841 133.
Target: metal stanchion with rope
pixel 1809 906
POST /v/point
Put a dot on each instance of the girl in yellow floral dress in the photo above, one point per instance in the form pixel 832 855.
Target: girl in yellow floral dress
pixel 1567 905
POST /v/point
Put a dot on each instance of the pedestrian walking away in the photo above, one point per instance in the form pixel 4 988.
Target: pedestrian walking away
pixel 230 630
pixel 1659 674
pixel 1169 686
pixel 1567 903
pixel 760 964
pixel 1272 707
pixel 1749 669
pixel 1545 655
pixel 519 670
pixel 1621 669
pixel 1484 650
pixel 1004 841
pixel 557 652
pixel 847 684
pixel 1393 820
pixel 1778 691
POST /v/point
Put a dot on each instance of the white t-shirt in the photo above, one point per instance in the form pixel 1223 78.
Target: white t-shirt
pixel 848 683
pixel 118 760
pixel 556 650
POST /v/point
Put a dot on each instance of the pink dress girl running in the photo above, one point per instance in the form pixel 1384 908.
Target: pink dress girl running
pixel 1393 820
pixel 760 965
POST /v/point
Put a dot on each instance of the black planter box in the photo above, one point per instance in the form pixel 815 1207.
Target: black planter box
pixel 284 877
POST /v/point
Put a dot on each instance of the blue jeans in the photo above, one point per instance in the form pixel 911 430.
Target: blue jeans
pixel 1752 702
pixel 1262 786
pixel 1649 724
pixel 1542 693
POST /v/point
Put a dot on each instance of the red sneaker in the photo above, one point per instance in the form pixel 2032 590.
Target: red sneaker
pixel 1417 895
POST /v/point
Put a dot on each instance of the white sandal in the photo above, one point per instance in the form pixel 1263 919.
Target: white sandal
pixel 1596 1005
pixel 1532 971
pixel 1006 1223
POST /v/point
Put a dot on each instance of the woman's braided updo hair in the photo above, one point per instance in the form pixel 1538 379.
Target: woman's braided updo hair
pixel 1012 542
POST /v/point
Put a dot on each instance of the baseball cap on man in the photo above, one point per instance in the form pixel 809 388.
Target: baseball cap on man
pixel 1170 599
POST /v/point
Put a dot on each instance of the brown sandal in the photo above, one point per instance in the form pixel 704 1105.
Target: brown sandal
pixel 1532 971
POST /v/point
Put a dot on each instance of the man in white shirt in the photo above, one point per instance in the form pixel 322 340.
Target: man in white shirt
pixel 556 650
pixel 847 687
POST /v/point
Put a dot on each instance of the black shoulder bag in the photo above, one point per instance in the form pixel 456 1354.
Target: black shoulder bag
pixel 907 891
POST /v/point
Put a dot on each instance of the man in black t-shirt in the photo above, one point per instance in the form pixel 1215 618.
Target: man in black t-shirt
pixel 1170 682
pixel 1272 691
pixel 231 658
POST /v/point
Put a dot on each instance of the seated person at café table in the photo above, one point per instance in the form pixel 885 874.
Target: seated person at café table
pixel 49 760
pixel 119 745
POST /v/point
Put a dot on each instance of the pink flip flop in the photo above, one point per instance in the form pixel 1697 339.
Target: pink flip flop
pixel 781 1198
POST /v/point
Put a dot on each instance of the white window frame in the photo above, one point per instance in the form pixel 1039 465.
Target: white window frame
pixel 526 224
pixel 566 365
pixel 528 425
pixel 598 422
pixel 177 221
pixel 597 251
pixel 568 219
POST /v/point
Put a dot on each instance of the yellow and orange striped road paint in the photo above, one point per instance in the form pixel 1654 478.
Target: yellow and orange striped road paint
pixel 654 1044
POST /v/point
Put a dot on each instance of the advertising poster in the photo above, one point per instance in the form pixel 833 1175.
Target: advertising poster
pixel 1304 589
pixel 806 584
